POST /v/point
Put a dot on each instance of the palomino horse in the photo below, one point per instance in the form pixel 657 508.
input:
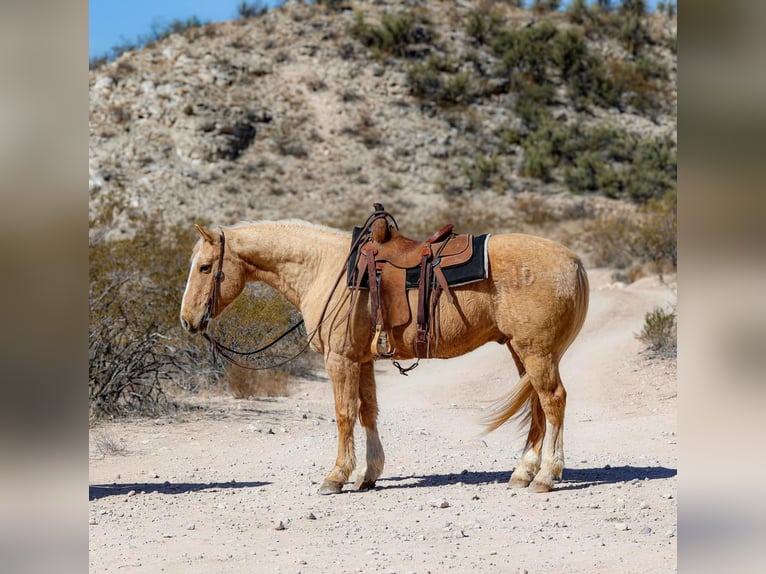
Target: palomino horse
pixel 534 301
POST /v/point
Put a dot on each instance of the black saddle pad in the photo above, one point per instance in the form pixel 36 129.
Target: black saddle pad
pixel 475 269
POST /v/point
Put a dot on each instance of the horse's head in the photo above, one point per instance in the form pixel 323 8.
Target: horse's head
pixel 216 278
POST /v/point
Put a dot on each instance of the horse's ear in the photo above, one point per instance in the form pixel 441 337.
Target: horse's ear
pixel 206 234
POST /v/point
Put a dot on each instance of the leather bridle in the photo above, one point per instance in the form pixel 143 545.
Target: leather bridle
pixel 218 277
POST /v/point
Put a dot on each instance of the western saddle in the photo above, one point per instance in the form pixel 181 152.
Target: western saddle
pixel 383 257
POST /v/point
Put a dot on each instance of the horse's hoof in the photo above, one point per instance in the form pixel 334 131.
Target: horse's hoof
pixel 540 487
pixel 518 483
pixel 330 487
pixel 362 484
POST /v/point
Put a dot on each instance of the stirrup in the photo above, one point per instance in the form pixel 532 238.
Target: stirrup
pixel 381 346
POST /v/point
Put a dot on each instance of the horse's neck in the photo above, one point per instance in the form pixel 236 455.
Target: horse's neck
pixel 292 257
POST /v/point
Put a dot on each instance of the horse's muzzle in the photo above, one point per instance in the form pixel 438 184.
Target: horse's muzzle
pixel 189 328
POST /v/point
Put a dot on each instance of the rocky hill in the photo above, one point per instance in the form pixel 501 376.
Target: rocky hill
pixel 491 116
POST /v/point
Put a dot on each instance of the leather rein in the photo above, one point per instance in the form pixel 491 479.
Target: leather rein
pixel 212 302
pixel 227 352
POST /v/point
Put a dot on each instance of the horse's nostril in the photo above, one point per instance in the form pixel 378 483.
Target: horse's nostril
pixel 187 326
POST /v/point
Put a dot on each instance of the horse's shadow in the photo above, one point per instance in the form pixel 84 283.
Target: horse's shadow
pixel 573 479
pixel 97 491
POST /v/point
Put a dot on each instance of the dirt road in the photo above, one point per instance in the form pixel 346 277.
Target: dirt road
pixel 234 489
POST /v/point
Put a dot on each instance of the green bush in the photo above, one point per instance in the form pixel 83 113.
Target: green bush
pixel 653 170
pixel 435 80
pixel 481 25
pixel 660 332
pixel 538 159
pixel 657 232
pixel 247 10
pixel 480 171
pixel 525 52
pixel 577 11
pixel 393 35
pixel 424 80
pixel 531 104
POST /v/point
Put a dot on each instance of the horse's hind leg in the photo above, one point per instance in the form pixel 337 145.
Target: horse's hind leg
pixel 368 416
pixel 545 378
pixel 526 470
pixel 530 459
pixel 345 376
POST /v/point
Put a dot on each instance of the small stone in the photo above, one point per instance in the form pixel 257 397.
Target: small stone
pixel 280 526
pixel 310 516
pixel 644 505
pixel 131 493
pixel 620 526
pixel 191 526
pixel 438 503
pixel 646 530
pixel 93 521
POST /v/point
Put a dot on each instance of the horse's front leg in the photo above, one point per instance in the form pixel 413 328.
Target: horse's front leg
pixel 344 374
pixel 368 416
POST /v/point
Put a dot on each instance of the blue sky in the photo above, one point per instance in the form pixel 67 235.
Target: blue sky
pixel 114 22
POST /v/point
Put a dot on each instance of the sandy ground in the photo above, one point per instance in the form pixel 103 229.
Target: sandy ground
pixel 233 489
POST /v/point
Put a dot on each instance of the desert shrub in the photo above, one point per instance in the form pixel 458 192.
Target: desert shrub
pixel 582 71
pixel 585 173
pixel 632 238
pixel 531 104
pixel 133 345
pixel 456 89
pixel 525 52
pixel 333 4
pixel 394 33
pixel 424 80
pixel 653 170
pixel 480 171
pixel 538 159
pixel 577 11
pixel 635 8
pixel 545 6
pixel 633 33
pixel 657 232
pixel 436 80
pixel 607 239
pixel 251 9
pixel 660 332
pixel 481 25
pixel 604 5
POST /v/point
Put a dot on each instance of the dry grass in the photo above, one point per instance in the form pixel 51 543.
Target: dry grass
pixel 107 445
pixel 246 384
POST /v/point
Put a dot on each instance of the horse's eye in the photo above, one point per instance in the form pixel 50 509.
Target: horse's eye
pixel 205 268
